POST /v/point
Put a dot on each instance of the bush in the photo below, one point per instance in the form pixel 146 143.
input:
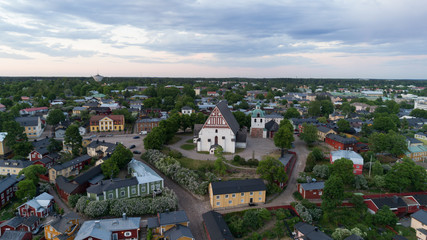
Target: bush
pixel 297 195
pixel 96 209
pixel 175 154
pixel 321 171
pixel 173 169
pixel 72 200
pixel 311 162
pixel 81 204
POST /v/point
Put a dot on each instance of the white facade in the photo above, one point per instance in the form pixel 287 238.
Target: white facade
pixel 220 136
pixel 420 103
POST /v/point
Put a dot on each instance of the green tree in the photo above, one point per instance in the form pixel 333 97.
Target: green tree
pixel 343 168
pixel 121 156
pixel 54 145
pixel 406 176
pixel 391 142
pixel 377 169
pixel 185 122
pixel 26 189
pixel 327 107
pixel 219 165
pixel 309 133
pixel 273 171
pixel 384 123
pixel 32 172
pixel 322 120
pixel 155 139
pixel 73 138
pixel 343 125
pixel 420 113
pixel 314 109
pixel 333 193
pixel 243 119
pixel 286 123
pixel 110 168
pixel 55 116
pixel 292 113
pixel 385 216
pixel 283 138
pixel 16 138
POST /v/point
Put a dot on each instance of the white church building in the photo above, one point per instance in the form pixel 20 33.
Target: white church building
pixel 220 129
pixel 262 125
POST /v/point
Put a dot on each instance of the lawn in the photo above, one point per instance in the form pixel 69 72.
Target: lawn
pixel 188 147
pixel 195 164
pixel 189 141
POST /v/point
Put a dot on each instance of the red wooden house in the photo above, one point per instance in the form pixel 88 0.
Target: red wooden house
pixel 313 190
pixel 8 188
pixel 116 228
pixel 16 235
pixel 40 206
pixel 340 143
pixel 398 205
pixel 40 149
pixel 19 223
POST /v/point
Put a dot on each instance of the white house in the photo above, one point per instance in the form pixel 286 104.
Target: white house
pixel 221 129
pixel 264 126
pixel 186 110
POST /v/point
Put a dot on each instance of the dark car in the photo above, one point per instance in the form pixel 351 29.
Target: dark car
pixel 136 137
pixel 136 152
pixel 132 146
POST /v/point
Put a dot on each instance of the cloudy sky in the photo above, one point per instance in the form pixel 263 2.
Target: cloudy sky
pixel 221 38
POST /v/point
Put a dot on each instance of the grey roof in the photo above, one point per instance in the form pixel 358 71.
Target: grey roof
pixel 216 226
pixel 43 143
pixel 9 181
pixel 10 163
pixel 197 128
pixel 323 129
pixel 187 108
pixel 421 216
pixel 286 158
pixel 353 237
pixel 142 172
pixel 45 160
pixel 103 228
pixel 274 115
pixel 72 162
pixel 65 185
pixel 110 146
pixel 421 199
pixel 238 186
pixel 107 185
pixel 89 174
pixel 178 232
pixel 311 232
pixel 340 139
pixel 241 135
pixel 398 237
pixel 13 235
pixel 228 116
pixel 272 126
pixel 27 121
pixel 149 120
pixel 168 218
pixel 392 202
pixel 79 108
pixel 62 223
pixel 18 220
pixel 313 185
pixel 413 141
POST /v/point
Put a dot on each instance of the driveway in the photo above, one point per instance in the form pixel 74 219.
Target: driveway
pixel 257 147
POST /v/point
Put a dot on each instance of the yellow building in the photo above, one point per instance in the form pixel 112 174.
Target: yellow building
pixel 107 123
pixel 169 224
pixel 32 126
pixel 224 194
pixel 3 148
pixel 419 223
pixel 70 168
pixel 12 166
pixel 78 110
pixel 62 227
pixel 323 131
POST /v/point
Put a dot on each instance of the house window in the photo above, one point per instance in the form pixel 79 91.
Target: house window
pixel 217 196
pixel 226 195
pixel 242 194
pixel 233 195
pixel 242 201
pixel 115 236
pixel 128 234
pixel 218 203
pixel 230 202
pixel 143 188
pixel 260 193
pixel 209 140
pixel 133 191
pixel 110 196
pixel 259 199
pixel 152 187
pixel 123 193
pixel 251 193
pixel 320 193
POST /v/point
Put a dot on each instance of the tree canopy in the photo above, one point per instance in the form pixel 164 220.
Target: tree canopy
pixel 283 138
pixel 343 168
pixel 73 138
pixel 55 116
pixel 309 133
pixel 273 171
pixel 406 176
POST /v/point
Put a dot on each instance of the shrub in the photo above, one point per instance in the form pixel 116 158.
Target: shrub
pixel 72 200
pixel 297 195
pixel 321 171
pixel 173 169
pixel 175 154
pixel 82 203
pixel 97 208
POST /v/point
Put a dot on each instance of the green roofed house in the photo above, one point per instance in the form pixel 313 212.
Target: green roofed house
pixel 144 182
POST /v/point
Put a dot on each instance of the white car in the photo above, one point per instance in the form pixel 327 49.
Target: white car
pixel 143 132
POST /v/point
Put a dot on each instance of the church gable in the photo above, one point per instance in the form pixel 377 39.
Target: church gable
pixel 216 120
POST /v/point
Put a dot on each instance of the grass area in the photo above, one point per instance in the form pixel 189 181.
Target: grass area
pixel 174 140
pixel 195 164
pixel 203 152
pixel 8 211
pixel 408 232
pixel 188 146
pixel 189 141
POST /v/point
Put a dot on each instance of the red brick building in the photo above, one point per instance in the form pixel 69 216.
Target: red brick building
pixel 313 190
pixel 147 124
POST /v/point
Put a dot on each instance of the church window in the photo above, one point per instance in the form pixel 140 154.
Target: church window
pixel 260 120
pixel 254 120
pixel 216 130
pixel 257 115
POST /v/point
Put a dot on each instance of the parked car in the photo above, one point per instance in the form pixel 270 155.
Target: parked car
pixel 132 146
pixel 136 137
pixel 252 204
pixel 136 152
pixel 93 136
pixel 143 132
pixel 109 135
pixel 102 136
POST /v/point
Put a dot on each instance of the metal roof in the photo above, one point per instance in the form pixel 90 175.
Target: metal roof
pixel 238 186
pixel 313 185
pixel 216 226
pixel 103 228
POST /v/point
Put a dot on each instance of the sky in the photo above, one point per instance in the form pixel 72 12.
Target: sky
pixel 221 38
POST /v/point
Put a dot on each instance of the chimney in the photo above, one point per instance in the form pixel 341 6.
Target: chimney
pixel 97 224
pixel 124 216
